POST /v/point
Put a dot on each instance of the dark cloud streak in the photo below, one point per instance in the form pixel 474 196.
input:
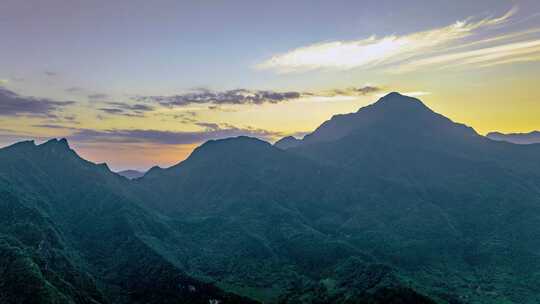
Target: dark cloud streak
pixel 13 104
pixel 215 99
pixel 368 90
pixel 125 109
pixel 97 97
pixel 74 90
pixel 230 97
pixel 52 126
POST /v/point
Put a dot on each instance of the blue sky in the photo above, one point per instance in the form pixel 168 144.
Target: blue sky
pixel 149 47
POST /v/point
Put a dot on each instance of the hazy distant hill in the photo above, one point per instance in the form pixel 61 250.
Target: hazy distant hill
pixel 287 142
pixel 391 204
pixel 131 174
pixel 517 138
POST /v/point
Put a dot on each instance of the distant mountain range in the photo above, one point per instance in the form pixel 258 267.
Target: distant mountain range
pixel 517 138
pixel 391 204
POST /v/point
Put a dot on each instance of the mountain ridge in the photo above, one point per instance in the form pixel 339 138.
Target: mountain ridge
pixel 388 207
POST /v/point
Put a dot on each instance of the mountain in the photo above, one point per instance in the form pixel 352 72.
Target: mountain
pixel 402 113
pixel 71 233
pixel 131 174
pixel 516 138
pixel 400 133
pixel 394 183
pixel 391 204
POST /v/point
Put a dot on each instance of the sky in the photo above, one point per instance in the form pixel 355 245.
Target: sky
pixel 142 83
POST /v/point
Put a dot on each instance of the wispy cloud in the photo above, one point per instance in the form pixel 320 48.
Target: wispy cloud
pixel 74 90
pixel 98 97
pixel 58 119
pixel 484 57
pixel 350 91
pixel 473 42
pixel 209 131
pixel 417 93
pixel 185 117
pixel 13 104
pixel 126 109
pixel 51 126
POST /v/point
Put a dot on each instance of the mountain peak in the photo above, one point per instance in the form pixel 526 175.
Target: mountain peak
pixel 61 143
pixel 397 102
pixel 238 147
pixel 239 141
pixel 233 150
pixel 103 166
pixel 57 146
pixel 394 112
pixel 25 143
pixel 230 145
pixel 393 95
